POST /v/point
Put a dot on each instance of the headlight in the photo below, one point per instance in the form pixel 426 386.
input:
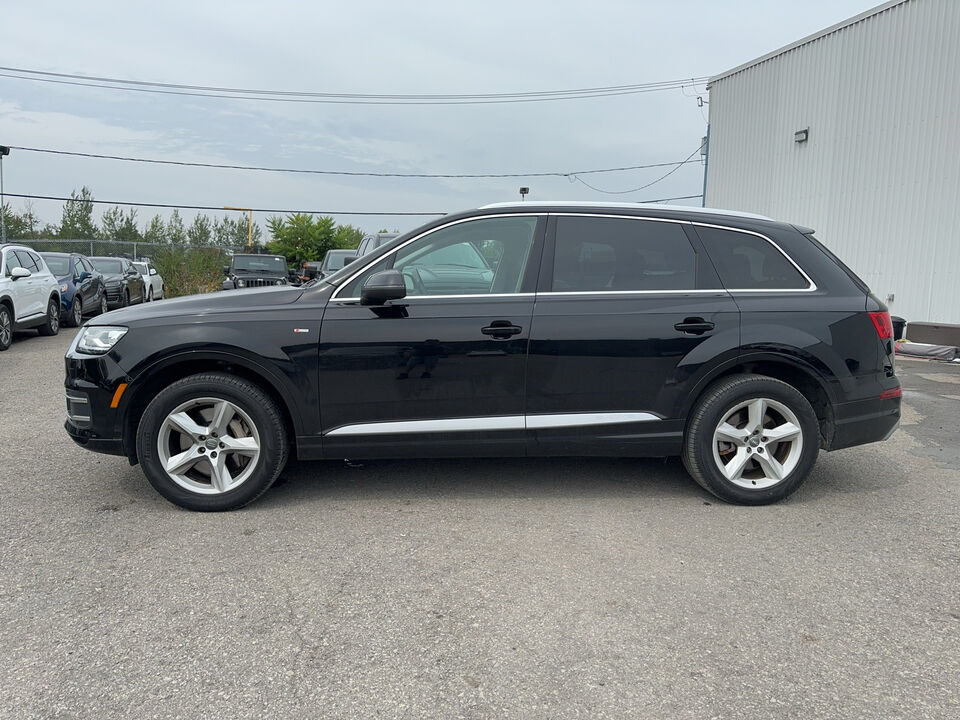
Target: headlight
pixel 240 283
pixel 280 282
pixel 98 340
pixel 63 288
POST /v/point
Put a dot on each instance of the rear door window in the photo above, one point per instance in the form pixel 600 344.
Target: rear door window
pixel 12 262
pixel 27 261
pixel 596 254
pixel 750 262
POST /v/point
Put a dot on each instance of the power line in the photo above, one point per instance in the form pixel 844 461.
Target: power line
pixel 275 210
pixel 217 207
pixel 642 187
pixel 184 163
pixel 338 98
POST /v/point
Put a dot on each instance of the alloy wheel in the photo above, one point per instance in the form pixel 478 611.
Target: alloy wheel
pixel 208 446
pixel 758 443
pixel 77 311
pixel 53 312
pixel 6 327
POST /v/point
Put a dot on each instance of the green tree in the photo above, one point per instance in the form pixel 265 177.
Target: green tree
pixel 199 232
pixel 17 225
pixel 176 233
pixel 77 220
pixel 301 237
pixel 120 226
pixel 156 231
pixel 232 233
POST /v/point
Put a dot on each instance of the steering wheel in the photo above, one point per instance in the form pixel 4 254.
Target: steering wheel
pixel 415 280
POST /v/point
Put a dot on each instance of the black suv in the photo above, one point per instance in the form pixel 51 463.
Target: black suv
pixel 254 271
pixel 739 343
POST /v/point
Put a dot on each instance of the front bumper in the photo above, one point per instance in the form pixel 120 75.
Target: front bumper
pixel 90 384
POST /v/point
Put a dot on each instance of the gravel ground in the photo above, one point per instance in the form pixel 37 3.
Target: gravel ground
pixel 571 588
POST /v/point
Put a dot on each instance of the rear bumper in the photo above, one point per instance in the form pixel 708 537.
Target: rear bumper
pixel 864 421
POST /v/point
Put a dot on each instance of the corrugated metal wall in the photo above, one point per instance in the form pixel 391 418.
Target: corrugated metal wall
pixel 879 177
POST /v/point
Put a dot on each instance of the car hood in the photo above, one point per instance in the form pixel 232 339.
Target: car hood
pixel 199 305
pixel 112 277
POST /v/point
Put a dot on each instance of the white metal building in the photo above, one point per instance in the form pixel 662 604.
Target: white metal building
pixel 855 131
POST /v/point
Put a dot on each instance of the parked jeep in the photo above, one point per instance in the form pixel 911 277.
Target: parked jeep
pixel 251 271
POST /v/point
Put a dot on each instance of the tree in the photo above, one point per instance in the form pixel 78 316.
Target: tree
pixel 77 219
pixel 120 226
pixel 176 233
pixel 156 231
pixel 301 237
pixel 348 236
pixel 199 232
pixel 232 233
pixel 16 224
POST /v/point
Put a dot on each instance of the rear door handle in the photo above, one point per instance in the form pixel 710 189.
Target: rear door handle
pixel 501 329
pixel 694 326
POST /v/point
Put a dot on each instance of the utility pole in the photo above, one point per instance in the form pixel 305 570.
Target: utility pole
pixel 249 223
pixel 4 151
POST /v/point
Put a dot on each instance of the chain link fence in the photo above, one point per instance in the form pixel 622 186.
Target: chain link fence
pixel 186 269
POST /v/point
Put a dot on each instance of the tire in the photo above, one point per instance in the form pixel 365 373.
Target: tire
pixel 6 327
pixel 150 295
pixel 76 312
pixel 180 415
pixel 125 298
pixel 752 468
pixel 103 304
pixel 52 326
pixel 143 295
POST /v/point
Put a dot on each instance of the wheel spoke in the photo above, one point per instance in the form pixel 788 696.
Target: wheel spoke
pixel 787 431
pixel 186 424
pixel 222 415
pixel 729 433
pixel 755 412
pixel 772 469
pixel 240 446
pixel 220 476
pixel 734 469
pixel 180 463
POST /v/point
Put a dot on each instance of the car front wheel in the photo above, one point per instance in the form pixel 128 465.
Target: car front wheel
pixel 212 442
pixel 751 439
pixel 76 312
pixel 52 325
pixel 103 304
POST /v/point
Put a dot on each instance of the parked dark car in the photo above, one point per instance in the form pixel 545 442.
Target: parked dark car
pixel 255 271
pixel 122 280
pixel 332 262
pixel 82 291
pixel 737 342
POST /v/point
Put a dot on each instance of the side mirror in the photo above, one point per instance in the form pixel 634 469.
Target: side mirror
pixel 347 261
pixel 153 271
pixel 226 269
pixel 19 272
pixel 383 286
pixel 83 276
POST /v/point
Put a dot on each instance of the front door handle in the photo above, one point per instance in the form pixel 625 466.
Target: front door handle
pixel 501 329
pixel 694 326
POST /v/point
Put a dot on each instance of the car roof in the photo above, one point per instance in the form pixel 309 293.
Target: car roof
pixel 50 253
pixel 623 205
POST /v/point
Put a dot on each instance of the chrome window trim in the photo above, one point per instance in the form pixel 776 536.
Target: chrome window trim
pixel 448 297
pixel 702 291
pixel 811 285
pixel 493 422
pixel 351 278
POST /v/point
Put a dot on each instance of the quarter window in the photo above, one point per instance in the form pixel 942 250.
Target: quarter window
pixel 478 257
pixel 604 254
pixel 749 262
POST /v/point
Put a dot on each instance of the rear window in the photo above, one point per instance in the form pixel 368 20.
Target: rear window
pixel 749 262
pixel 108 265
pixel 598 253
pixel 59 266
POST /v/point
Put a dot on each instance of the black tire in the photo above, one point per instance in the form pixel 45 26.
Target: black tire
pixel 150 295
pixel 714 407
pixel 76 313
pixel 143 295
pixel 6 327
pixel 251 400
pixel 125 298
pixel 52 325
pixel 103 304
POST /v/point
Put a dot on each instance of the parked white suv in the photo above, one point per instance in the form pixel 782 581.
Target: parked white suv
pixel 151 279
pixel 29 294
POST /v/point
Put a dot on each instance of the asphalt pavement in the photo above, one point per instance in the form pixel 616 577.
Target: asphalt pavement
pixel 495 588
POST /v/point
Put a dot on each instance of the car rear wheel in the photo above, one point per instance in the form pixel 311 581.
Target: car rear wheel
pixel 751 439
pixel 212 442
pixel 52 325
pixel 6 328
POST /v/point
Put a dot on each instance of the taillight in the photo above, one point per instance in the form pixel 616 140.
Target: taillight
pixel 881 321
pixel 893 393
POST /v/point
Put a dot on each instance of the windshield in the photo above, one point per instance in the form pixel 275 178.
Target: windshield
pixel 106 265
pixel 141 268
pixel 260 263
pixel 59 266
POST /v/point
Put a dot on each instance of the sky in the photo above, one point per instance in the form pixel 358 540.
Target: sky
pixel 381 48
